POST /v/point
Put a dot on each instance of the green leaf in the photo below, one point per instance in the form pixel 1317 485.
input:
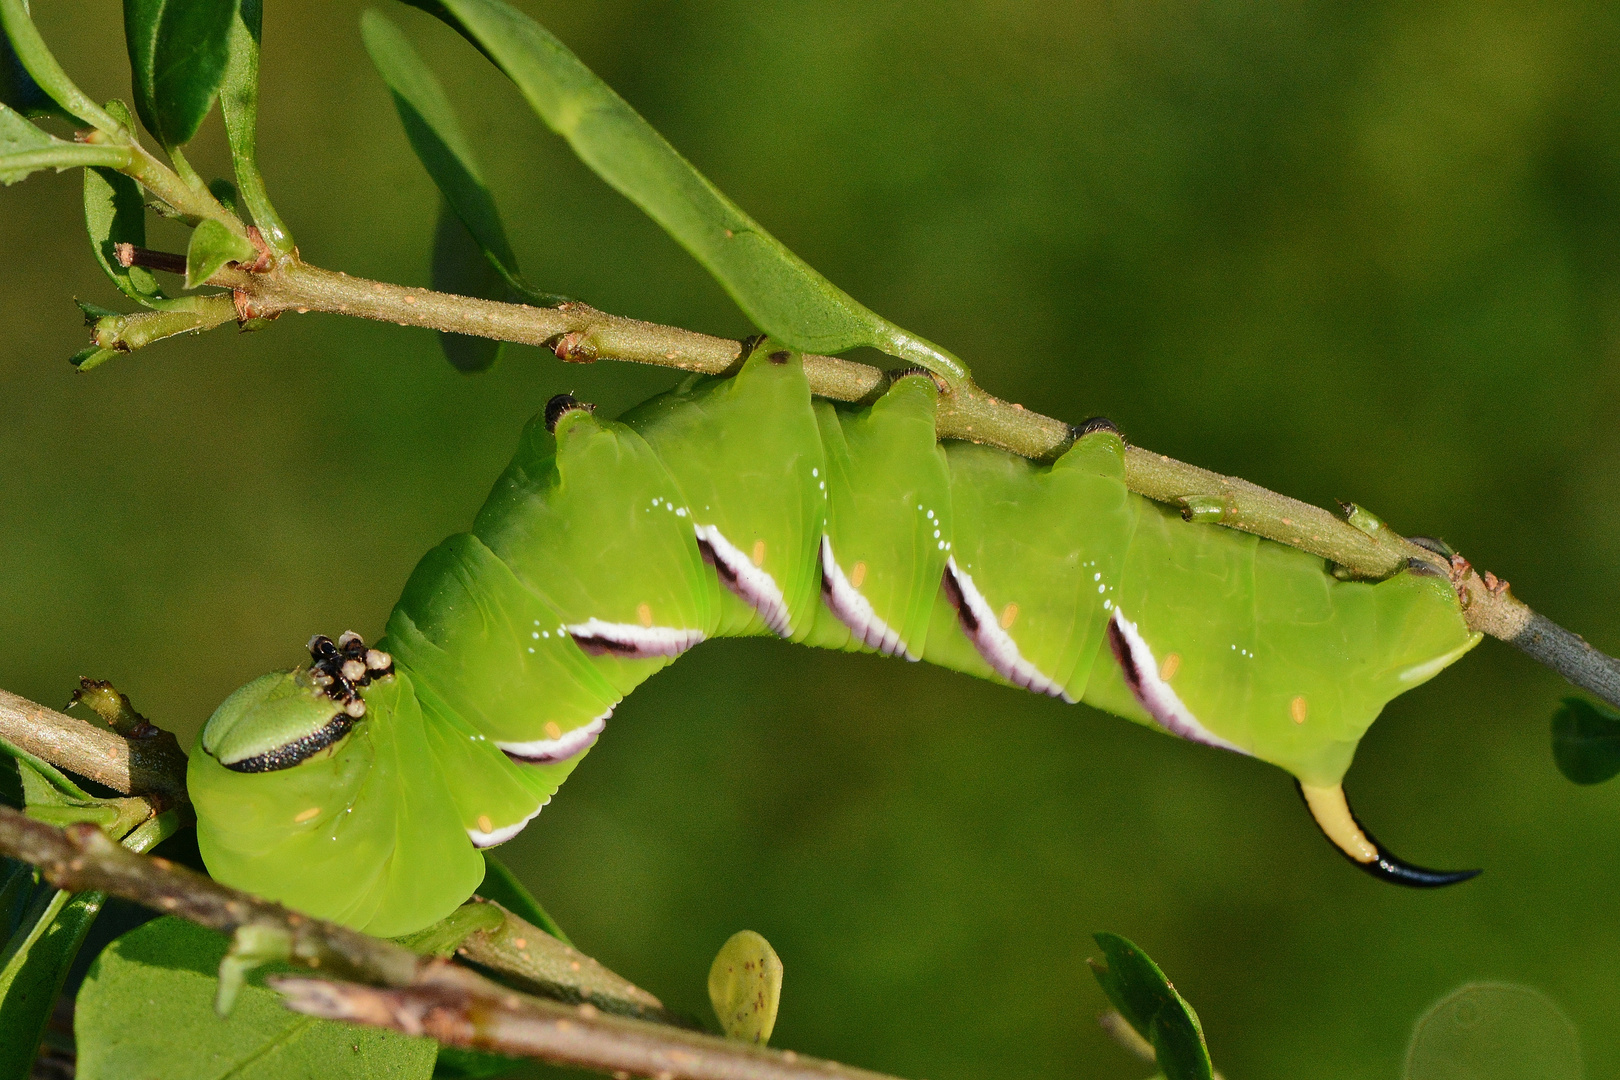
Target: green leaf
pixel 436 136
pixel 25 149
pixel 178 50
pixel 458 1064
pixel 147 1009
pixel 460 267
pixel 1586 741
pixel 43 784
pixel 91 357
pixel 212 246
pixel 115 213
pixel 239 103
pixel 33 967
pixel 745 987
pixel 1147 1001
pixel 18 88
pixel 781 293
pixel 503 887
pixel 36 59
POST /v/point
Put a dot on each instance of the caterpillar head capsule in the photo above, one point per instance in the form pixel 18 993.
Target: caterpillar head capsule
pixel 281 719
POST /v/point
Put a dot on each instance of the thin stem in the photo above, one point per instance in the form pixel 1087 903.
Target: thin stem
pixel 1360 547
pixel 581 1035
pixel 419 995
pixel 129 766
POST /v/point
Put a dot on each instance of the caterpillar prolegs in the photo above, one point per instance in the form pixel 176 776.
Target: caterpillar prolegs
pixel 360 787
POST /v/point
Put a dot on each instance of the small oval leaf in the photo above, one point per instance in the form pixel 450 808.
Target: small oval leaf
pixel 178 51
pixel 745 987
pixel 1147 1000
pixel 212 246
pixel 1586 741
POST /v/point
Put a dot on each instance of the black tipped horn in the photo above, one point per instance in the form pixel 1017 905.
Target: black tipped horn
pixel 1330 809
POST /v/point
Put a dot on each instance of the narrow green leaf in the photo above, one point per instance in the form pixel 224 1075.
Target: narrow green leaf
pixel 115 213
pixel 1145 998
pixel 212 246
pixel 1586 741
pixel 36 59
pixel 503 887
pixel 780 292
pixel 91 357
pixel 239 103
pixel 459 267
pixel 745 987
pixel 43 784
pixel 93 313
pixel 436 136
pixel 178 50
pixel 25 149
pixel 18 88
pixel 33 966
pixel 164 974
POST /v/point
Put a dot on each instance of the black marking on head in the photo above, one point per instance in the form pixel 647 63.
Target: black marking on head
pixel 560 406
pixel 322 648
pixel 1096 423
pixel 285 757
pixel 1430 543
pixel 964 611
pixel 343 668
pixel 1387 867
pixel 917 369
pixel 780 356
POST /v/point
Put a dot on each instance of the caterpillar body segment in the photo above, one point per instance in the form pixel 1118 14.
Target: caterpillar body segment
pixel 739 506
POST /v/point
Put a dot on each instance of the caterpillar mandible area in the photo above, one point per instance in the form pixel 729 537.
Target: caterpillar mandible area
pixel 740 505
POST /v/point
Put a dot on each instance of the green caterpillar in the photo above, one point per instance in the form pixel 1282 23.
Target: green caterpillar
pixel 360 787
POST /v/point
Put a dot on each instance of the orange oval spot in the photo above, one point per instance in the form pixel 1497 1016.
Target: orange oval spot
pixel 484 824
pixel 759 553
pixel 1009 615
pixel 644 613
pixel 1298 709
pixel 1171 665
pixel 553 729
pixel 308 815
pixel 858 574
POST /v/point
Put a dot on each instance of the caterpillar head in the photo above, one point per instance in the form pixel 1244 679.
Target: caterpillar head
pixel 281 719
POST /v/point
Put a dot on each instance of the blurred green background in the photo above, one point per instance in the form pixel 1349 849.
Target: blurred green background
pixel 1362 252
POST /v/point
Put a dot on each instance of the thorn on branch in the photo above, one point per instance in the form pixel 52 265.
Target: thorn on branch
pixel 129 255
